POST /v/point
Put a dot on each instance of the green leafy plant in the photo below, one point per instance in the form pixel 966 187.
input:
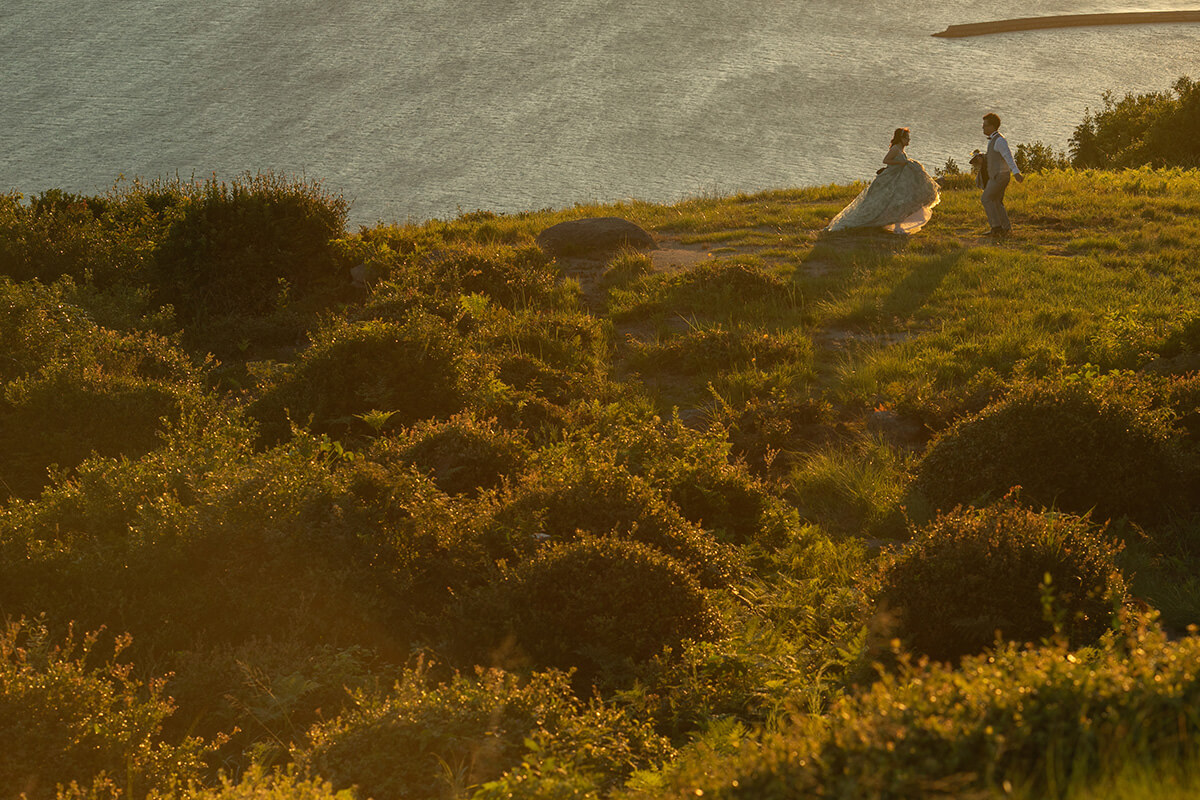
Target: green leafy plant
pixel 974 575
pixel 67 714
pixel 426 740
pixel 568 499
pixel 464 454
pixel 416 369
pixel 597 605
pixel 1077 445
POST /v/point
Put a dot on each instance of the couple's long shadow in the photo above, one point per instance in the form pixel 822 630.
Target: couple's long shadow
pixel 840 257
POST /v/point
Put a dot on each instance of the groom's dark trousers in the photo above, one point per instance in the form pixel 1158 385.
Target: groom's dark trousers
pixel 993 199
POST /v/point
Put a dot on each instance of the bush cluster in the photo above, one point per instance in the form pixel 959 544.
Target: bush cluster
pixel 711 286
pixel 568 499
pixel 696 471
pixel 425 740
pixel 595 605
pixel 1037 719
pixel 414 370
pixel 463 454
pixel 1155 128
pixel 1074 445
pixel 239 246
pixel 1004 571
pixel 65 719
pixel 704 350
pixel 69 388
pixel 511 276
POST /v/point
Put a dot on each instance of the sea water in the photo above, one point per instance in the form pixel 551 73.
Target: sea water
pixel 422 108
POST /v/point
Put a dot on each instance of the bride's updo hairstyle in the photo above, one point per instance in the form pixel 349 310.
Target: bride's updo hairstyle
pixel 900 136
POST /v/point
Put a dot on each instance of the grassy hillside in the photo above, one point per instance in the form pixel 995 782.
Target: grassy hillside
pixel 763 513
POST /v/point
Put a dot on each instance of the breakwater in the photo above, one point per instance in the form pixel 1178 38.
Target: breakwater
pixel 1068 21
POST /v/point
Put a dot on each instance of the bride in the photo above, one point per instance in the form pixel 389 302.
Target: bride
pixel 899 200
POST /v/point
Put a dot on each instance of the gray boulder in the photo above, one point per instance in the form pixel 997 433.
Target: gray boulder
pixel 594 237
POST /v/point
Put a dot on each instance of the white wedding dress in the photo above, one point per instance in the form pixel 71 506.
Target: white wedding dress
pixel 899 200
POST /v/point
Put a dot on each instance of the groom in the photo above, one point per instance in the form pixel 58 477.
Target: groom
pixel 1000 169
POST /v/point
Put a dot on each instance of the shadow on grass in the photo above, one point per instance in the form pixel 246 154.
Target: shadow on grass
pixel 920 284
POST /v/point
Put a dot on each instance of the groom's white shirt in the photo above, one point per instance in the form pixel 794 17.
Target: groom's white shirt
pixel 1000 145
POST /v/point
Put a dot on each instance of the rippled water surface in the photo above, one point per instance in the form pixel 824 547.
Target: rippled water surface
pixel 416 108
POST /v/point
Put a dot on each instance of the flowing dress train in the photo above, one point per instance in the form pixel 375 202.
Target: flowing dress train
pixel 900 200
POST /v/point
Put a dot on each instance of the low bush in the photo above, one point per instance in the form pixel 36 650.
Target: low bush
pixel 108 239
pixel 595 605
pixel 82 389
pixel 511 276
pixel 1038 721
pixel 41 325
pixel 70 715
pixel 693 469
pixel 767 432
pixel 973 575
pixel 425 741
pixel 414 370
pixel 206 545
pixel 566 499
pixel 259 783
pixel 463 454
pixel 1074 445
pixel 61 418
pixel 434 276
pixel 260 697
pixel 545 357
pixel 712 287
pixel 242 245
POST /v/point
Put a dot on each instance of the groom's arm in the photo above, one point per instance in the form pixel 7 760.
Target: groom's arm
pixel 1002 148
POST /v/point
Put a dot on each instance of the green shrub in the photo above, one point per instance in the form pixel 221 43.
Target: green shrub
pixel 36 324
pixel 205 545
pixel 238 245
pixel 425 741
pixel 597 605
pixel 512 277
pixel 599 498
pixel 1156 128
pixel 107 239
pixel 570 342
pixel 694 470
pixel 434 277
pixel 464 454
pixel 259 783
pixel 77 388
pixel 974 574
pixel 414 370
pixel 1041 720
pixel 62 418
pixel 41 325
pixel 1073 445
pixel 766 432
pixel 68 716
pixel 261 696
